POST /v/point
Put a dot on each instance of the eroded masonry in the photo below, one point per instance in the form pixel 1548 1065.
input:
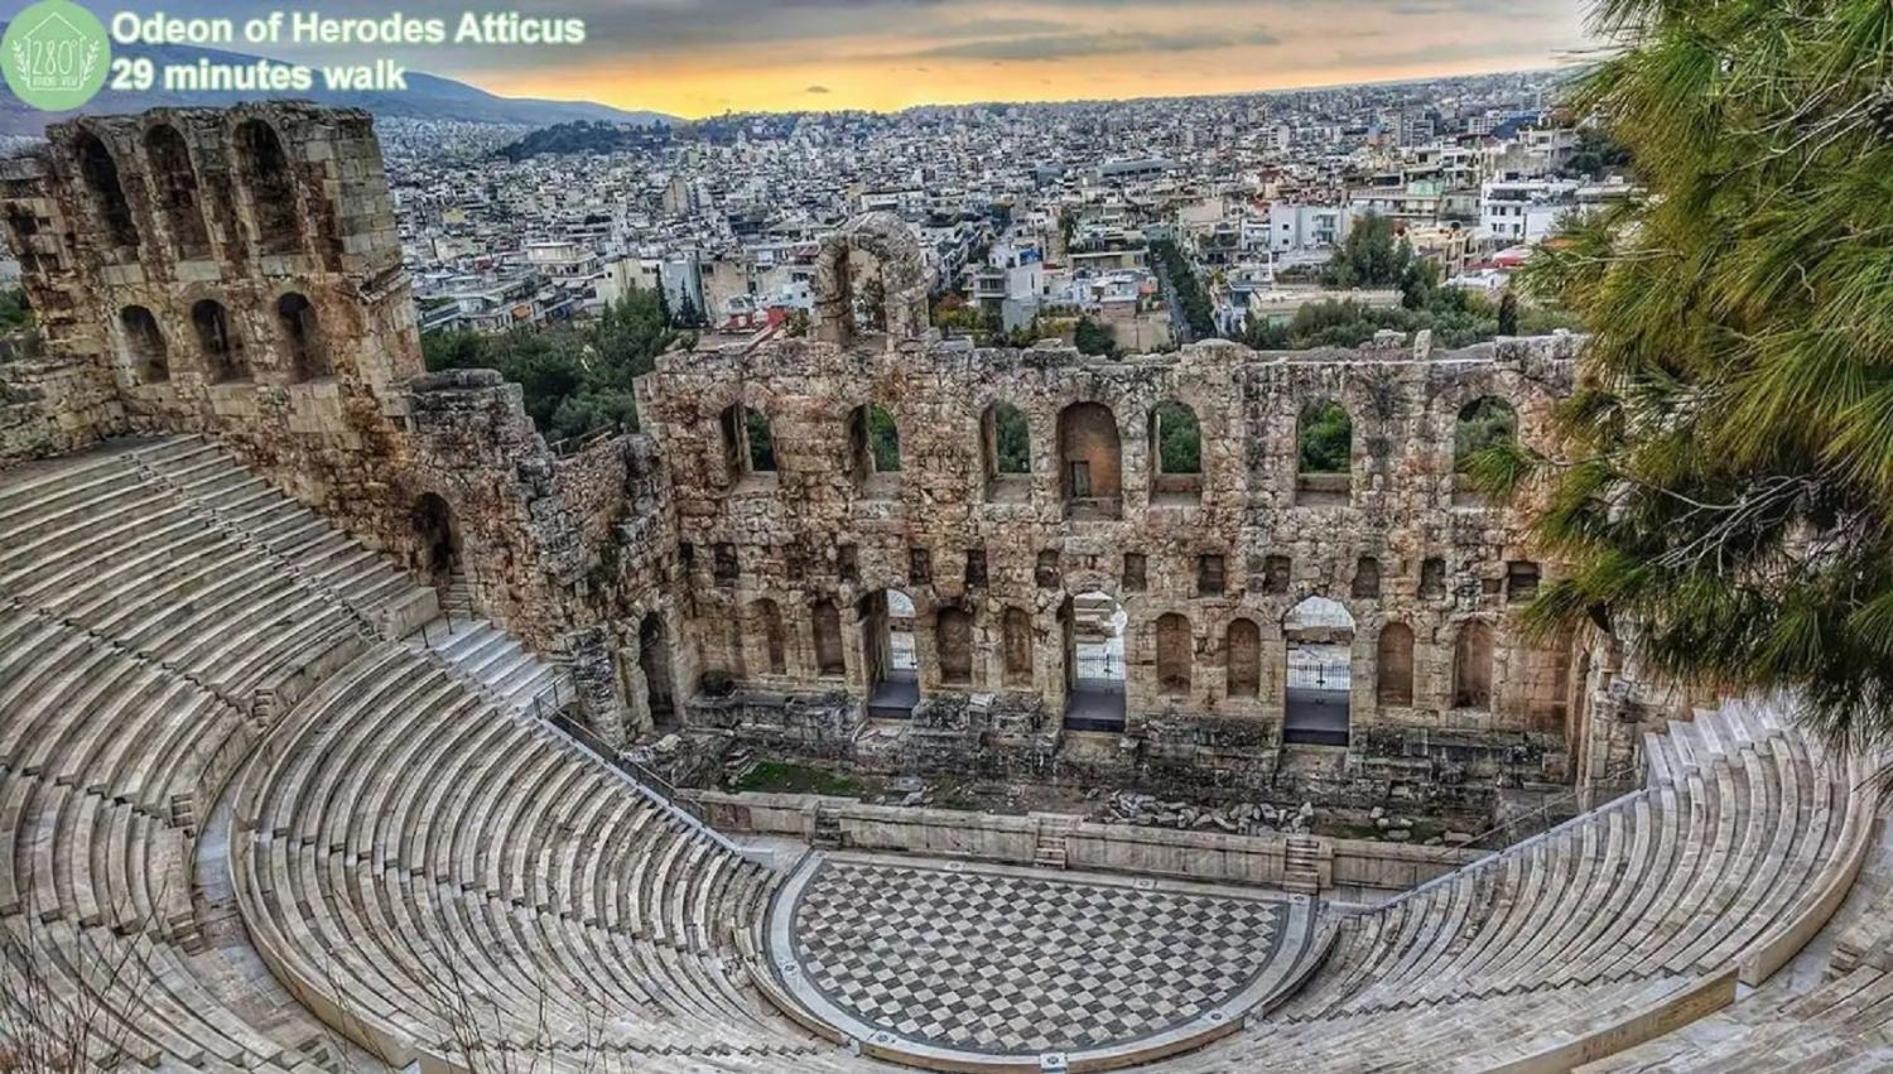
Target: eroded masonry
pixel 1208 571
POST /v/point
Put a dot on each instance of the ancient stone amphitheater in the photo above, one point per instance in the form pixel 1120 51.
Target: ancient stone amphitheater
pixel 316 671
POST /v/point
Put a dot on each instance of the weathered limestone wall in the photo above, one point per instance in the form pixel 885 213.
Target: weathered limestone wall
pixel 236 272
pixel 815 531
pixel 1209 857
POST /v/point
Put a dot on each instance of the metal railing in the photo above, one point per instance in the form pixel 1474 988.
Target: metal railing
pixel 656 787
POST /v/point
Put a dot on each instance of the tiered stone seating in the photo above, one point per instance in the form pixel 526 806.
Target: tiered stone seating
pixel 408 849
pixel 139 620
pixel 493 658
pixel 1627 920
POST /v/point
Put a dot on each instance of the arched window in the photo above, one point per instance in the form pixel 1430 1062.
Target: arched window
pixel 1324 450
pixel 1006 451
pixel 221 348
pixel 176 183
pixel 749 445
pixel 1484 423
pixel 1018 647
pixel 1394 663
pixel 145 350
pixel 1173 653
pixel 100 174
pixel 1090 461
pixel 1244 657
pixel 1472 666
pixel 302 343
pixel 766 619
pixel 1176 454
pixel 827 622
pixel 874 450
pixel 266 174
pixel 953 638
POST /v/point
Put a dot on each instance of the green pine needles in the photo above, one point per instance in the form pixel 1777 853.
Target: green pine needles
pixel 1724 478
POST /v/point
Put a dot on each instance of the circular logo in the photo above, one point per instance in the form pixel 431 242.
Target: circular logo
pixel 55 54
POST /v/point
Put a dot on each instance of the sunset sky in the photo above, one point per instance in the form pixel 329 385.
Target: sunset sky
pixel 700 57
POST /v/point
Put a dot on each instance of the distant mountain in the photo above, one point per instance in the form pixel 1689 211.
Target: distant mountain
pixel 427 97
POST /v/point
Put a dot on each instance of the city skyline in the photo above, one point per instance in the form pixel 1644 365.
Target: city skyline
pixel 707 57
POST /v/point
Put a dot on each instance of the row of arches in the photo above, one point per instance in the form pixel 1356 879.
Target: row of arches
pixel 221 350
pixel 1316 674
pixel 1090 455
pixel 263 169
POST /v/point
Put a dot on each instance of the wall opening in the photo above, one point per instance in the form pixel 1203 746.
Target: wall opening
pixel 749 444
pixel 874 451
pixel 222 350
pixel 1017 648
pixel 826 620
pixel 145 352
pixel 176 183
pixel 1175 652
pixel 1320 636
pixel 1472 666
pixel 1393 663
pixel 302 341
pixel 1324 451
pixel 765 619
pixel 1242 650
pixel 893 662
pixel 1176 454
pixel 1485 423
pixel 1366 584
pixel 437 542
pixel 953 645
pixel 100 173
pixel 1090 462
pixel 1093 628
pixel 654 662
pixel 266 175
pixel 1006 446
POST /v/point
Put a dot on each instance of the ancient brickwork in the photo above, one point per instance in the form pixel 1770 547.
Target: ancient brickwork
pixel 1204 565
pixel 236 273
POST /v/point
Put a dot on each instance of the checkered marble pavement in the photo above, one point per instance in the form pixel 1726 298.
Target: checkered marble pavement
pixel 1009 963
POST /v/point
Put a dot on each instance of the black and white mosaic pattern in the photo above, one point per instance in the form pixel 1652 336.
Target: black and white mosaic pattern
pixel 1018 964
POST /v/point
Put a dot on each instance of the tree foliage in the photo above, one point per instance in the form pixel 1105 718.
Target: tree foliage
pixel 1094 338
pixel 1725 472
pixel 1179 439
pixel 1456 317
pixel 1325 441
pixel 1198 313
pixel 1371 256
pixel 576 378
pixel 1011 440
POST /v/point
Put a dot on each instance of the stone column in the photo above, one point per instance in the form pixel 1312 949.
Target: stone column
pixel 597 683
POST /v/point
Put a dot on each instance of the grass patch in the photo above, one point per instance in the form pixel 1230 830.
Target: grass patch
pixel 780 777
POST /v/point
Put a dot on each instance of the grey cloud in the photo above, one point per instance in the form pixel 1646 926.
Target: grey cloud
pixel 816 89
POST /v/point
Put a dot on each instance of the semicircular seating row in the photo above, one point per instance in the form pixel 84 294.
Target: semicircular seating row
pixel 149 596
pixel 430 873
pixel 1644 912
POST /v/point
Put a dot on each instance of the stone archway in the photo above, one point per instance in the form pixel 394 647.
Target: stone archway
pixel 894 282
pixel 1093 627
pixel 1319 633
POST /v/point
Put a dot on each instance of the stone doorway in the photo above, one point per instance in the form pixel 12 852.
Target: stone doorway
pixel 1320 637
pixel 1094 662
pixel 893 663
pixel 438 540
